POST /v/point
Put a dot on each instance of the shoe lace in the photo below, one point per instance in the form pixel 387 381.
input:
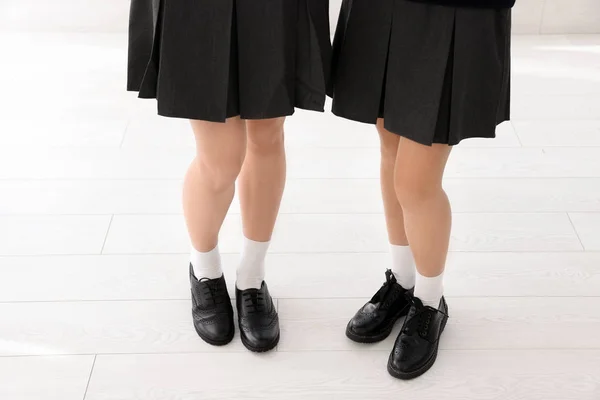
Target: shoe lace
pixel 420 321
pixel 254 301
pixel 214 292
pixel 382 294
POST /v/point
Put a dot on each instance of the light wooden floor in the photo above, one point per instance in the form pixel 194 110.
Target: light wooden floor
pixel 93 265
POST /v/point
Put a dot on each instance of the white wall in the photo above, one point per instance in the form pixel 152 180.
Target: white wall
pixel 530 16
pixel 557 16
pixel 64 15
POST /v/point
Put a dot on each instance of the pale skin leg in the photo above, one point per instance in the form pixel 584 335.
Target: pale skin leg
pixel 262 179
pixel 417 209
pixel 394 216
pixel 252 150
pixel 209 184
pixel 427 214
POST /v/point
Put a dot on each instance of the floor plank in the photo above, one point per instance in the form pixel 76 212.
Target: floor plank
pixel 101 327
pixel 467 375
pixel 131 234
pixel 54 132
pixel 85 278
pixel 91 163
pixel 576 162
pixel 305 276
pixel 587 227
pixel 524 195
pixel 317 324
pixel 48 378
pixel 556 106
pixel 303 163
pixel 475 323
pixel 31 235
pixel 558 133
pixel 327 233
pixel 77 197
pixel 302 196
pixel 513 232
pixel 294 233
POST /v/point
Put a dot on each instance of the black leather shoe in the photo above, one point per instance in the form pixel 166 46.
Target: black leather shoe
pixel 257 316
pixel 416 347
pixel 212 310
pixel 376 319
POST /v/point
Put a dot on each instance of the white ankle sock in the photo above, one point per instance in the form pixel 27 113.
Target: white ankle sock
pixel 206 265
pixel 251 270
pixel 403 266
pixel 430 290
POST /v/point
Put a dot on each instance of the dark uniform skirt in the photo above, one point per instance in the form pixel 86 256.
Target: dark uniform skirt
pixel 215 59
pixel 436 74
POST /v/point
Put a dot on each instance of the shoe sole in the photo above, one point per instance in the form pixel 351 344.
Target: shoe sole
pixel 253 349
pixel 213 342
pixel 380 335
pixel 415 374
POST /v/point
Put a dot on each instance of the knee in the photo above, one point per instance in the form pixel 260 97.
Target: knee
pixel 222 169
pixel 265 137
pixel 389 143
pixel 413 190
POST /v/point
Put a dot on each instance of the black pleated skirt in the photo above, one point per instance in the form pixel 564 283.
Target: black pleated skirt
pixel 214 59
pixel 436 74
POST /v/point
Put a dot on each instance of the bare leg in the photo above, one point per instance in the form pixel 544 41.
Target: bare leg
pixel 208 190
pixel 427 220
pixel 427 214
pixel 261 187
pixel 393 211
pixel 262 180
pixel 209 184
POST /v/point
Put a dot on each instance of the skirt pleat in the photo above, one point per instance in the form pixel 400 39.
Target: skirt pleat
pixel 215 59
pixel 361 46
pixel 436 74
pixel 143 24
pixel 313 54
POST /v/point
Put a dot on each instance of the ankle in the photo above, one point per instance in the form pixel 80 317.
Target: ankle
pixel 403 265
pixel 206 264
pixel 429 289
pixel 251 270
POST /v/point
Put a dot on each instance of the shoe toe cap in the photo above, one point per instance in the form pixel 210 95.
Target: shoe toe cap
pixel 400 365
pixel 262 342
pixel 357 326
pixel 218 329
pixel 260 336
pixel 363 323
pixel 407 361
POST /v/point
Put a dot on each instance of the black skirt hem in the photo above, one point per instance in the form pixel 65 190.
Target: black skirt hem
pixel 353 117
pixel 170 113
pixel 417 138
